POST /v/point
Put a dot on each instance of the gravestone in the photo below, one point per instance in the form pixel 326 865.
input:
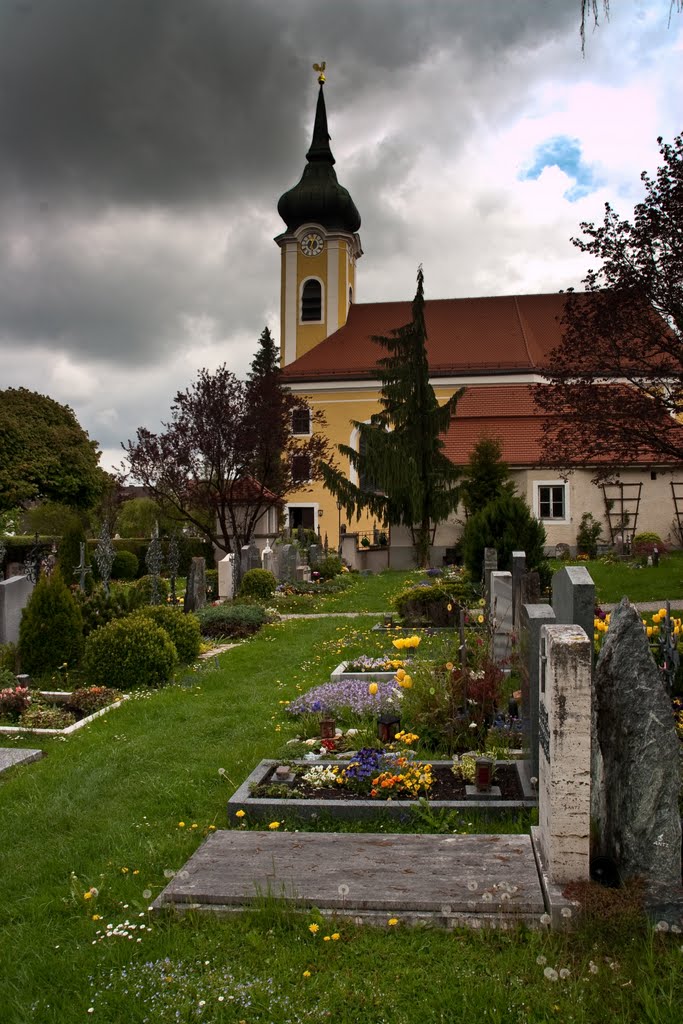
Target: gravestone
pixel 226 577
pixel 530 589
pixel 490 565
pixel 195 592
pixel 532 618
pixel 314 553
pixel 641 826
pixel 289 559
pixel 14 596
pixel 518 573
pixel 564 772
pixel 253 556
pixel 501 615
pixel 268 559
pixel 244 560
pixel 303 573
pixel 574 597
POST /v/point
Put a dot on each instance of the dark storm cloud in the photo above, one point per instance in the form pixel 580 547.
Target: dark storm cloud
pixel 156 101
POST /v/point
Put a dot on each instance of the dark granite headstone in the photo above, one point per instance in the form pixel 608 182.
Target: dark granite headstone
pixel 195 592
pixel 641 827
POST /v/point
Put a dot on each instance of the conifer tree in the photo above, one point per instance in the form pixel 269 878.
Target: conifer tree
pixel 486 476
pixel 405 478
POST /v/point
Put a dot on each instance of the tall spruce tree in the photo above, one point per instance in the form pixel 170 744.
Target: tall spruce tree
pixel 404 476
pixel 266 394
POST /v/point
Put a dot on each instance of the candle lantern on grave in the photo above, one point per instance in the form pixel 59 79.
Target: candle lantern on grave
pixel 483 774
pixel 387 727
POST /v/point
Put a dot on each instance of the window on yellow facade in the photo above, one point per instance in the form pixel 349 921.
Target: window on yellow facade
pixel 311 301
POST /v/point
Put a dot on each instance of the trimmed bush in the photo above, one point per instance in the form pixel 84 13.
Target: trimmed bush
pixel 645 543
pixel 258 583
pixel 98 608
pixel 51 628
pixel 329 567
pixel 507 525
pixel 144 588
pixel 232 620
pixel 183 629
pixel 124 566
pixel 129 652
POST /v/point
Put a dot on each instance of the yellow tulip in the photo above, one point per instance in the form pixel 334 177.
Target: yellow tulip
pixel 372 689
pixel 649 630
pixel 401 674
pixel 406 682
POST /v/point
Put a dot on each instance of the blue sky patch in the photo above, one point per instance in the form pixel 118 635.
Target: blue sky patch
pixel 565 153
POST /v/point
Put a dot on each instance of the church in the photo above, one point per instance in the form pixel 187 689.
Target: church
pixel 496 347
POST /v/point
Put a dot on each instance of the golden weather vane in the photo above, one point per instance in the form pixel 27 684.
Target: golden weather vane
pixel 320 68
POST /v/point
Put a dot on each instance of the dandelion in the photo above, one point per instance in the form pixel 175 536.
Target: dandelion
pixel 307 974
pixel 335 936
pixel 564 973
pixel 195 825
pixel 274 825
pixel 240 814
pixel 480 619
pixel 550 974
pixel 313 928
pixel 545 919
pixel 87 895
pixel 124 871
pixel 593 968
pixel 326 938
pixel 212 828
pixel 566 912
pixel 541 960
pixel 97 917
pixel 392 921
pixel 181 824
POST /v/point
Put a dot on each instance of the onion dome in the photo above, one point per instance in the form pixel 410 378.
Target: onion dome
pixel 318 197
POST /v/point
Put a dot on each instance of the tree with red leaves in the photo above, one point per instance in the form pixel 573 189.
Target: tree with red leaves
pixel 616 380
pixel 228 454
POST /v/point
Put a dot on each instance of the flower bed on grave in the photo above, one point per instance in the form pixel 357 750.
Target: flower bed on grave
pixel 54 712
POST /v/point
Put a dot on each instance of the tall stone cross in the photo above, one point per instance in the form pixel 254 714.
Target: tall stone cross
pixel 82 569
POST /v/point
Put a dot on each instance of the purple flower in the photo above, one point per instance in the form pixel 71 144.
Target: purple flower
pixel 348 696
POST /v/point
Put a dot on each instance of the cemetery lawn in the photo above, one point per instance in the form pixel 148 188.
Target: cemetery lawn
pixel 614 580
pixel 91 833
pixel 360 594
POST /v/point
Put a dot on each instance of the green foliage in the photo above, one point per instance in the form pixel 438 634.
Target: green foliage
pixel 51 628
pixel 507 525
pixel 404 475
pixel 51 517
pixel 98 608
pixel 14 699
pixel 183 629
pixel 7 677
pixel 588 535
pixel 233 620
pixel 129 652
pixel 144 587
pixel 487 477
pixel 69 551
pixel 259 583
pixel 329 567
pixel 137 517
pixel 46 716
pixel 645 543
pixel 89 699
pixel 428 605
pixel 9 658
pixel 124 566
pixel 45 453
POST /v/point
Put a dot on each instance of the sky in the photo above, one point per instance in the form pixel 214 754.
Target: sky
pixel 144 145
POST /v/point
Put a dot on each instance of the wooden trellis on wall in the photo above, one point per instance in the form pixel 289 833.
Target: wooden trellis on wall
pixel 677 494
pixel 622 503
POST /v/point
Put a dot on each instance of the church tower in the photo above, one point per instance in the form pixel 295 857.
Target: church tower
pixel 319 248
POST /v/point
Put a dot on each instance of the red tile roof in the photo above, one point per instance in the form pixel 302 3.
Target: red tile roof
pixel 505 412
pixel 499 334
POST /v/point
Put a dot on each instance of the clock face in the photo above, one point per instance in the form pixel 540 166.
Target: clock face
pixel 312 244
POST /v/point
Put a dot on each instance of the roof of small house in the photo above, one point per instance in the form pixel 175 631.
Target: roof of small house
pixel 502 334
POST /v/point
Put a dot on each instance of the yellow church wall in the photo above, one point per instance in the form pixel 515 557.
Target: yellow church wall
pixel 341 406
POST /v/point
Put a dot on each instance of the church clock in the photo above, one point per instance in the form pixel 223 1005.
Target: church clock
pixel 312 244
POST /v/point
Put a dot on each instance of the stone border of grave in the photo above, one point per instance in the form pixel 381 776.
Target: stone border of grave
pixel 60 697
pixel 340 674
pixel 266 808
pixel 560 909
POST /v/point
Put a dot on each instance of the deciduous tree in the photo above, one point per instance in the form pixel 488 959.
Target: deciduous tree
pixel 210 465
pixel 404 475
pixel 45 453
pixel 616 380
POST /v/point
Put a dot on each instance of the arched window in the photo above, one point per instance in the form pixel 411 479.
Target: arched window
pixel 311 301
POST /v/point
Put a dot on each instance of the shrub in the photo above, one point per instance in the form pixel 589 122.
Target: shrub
pixel 429 600
pixel 144 587
pixel 588 535
pixel 129 652
pixel 9 657
pixel 124 566
pixel 14 700
pixel 234 620
pixel 89 699
pixel 645 543
pixel 183 629
pixel 329 567
pixel 99 607
pixel 507 525
pixel 259 583
pixel 51 628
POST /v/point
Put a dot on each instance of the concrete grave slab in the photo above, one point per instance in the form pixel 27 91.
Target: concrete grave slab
pixel 11 757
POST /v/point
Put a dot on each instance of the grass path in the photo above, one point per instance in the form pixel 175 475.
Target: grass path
pixel 103 811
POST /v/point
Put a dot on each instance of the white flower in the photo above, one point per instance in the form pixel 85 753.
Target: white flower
pixel 566 911
pixel 564 973
pixel 545 919
pixel 551 974
pixel 541 960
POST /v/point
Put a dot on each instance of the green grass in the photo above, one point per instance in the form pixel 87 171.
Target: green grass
pixel 362 594
pixel 103 810
pixel 618 579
